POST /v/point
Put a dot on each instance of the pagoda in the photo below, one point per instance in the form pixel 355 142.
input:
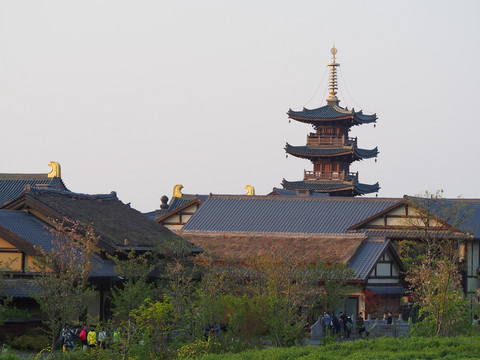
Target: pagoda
pixel 329 148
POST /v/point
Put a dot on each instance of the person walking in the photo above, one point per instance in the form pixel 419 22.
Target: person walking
pixel 92 338
pixel 361 325
pixel 345 324
pixel 83 337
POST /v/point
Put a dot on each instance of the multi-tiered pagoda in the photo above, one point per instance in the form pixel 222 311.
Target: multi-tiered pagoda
pixel 329 148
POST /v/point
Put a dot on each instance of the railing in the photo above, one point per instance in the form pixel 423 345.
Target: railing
pixel 340 175
pixel 335 140
pixel 374 328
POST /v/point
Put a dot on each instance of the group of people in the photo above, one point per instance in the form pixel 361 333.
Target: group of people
pixel 89 338
pixel 337 325
pixel 343 324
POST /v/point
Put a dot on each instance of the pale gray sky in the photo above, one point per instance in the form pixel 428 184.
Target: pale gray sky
pixel 137 96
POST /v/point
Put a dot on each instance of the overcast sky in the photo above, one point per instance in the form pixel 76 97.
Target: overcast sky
pixel 137 96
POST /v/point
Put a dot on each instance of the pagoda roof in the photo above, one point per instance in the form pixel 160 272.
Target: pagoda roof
pixel 330 151
pixel 289 192
pixel 331 113
pixel 332 186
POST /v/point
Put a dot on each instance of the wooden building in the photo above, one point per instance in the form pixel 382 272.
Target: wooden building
pixel 236 228
pixel 25 222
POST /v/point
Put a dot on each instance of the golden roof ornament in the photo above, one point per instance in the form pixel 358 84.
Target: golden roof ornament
pixel 55 170
pixel 333 86
pixel 250 190
pixel 177 191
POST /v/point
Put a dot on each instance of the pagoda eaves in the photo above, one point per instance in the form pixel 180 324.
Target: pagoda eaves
pixel 338 188
pixel 329 113
pixel 347 152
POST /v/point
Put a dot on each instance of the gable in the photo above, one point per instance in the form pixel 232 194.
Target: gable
pixel 10 256
pixel 13 258
pixel 386 267
pixel 402 216
pixel 176 219
pixel 449 218
pixel 377 262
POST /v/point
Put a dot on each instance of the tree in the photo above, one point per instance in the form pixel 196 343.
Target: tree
pixel 436 286
pixel 156 320
pixel 180 287
pixel 133 269
pixel 435 266
pixel 64 270
pixel 334 288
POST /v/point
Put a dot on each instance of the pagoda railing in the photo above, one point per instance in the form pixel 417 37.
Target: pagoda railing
pixel 340 175
pixel 335 140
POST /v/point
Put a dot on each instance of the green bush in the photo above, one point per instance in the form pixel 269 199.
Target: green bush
pixel 212 345
pixel 10 356
pixel 30 342
pixel 459 347
pixel 7 354
pixel 13 312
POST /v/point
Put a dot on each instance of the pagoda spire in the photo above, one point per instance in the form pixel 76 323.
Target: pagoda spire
pixel 333 87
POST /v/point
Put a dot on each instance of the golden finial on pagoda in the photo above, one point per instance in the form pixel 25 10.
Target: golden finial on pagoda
pixel 333 87
pixel 55 170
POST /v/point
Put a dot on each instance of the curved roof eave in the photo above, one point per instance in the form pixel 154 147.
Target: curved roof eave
pixel 360 118
pixel 361 189
pixel 366 153
pixel 324 186
pixel 309 151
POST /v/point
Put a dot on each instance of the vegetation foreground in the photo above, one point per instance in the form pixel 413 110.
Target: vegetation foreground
pixel 459 347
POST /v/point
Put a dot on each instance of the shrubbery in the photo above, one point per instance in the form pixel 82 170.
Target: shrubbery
pixel 30 342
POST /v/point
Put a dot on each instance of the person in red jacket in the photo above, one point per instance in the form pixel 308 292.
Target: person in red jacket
pixel 83 337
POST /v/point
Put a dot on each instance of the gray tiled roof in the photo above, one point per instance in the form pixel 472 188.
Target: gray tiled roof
pixel 282 214
pixel 177 202
pixel 103 268
pixel 366 257
pixel 27 227
pixel 185 199
pixel 318 150
pixel 328 112
pixel 36 233
pixel 321 151
pixel 150 214
pixel 12 185
pixel 112 220
pixel 290 192
pixel 19 288
pixel 325 186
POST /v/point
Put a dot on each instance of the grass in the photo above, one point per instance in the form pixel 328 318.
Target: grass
pixel 449 348
pixel 461 347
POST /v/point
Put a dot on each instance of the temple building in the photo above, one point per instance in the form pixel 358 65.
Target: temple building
pixel 330 148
